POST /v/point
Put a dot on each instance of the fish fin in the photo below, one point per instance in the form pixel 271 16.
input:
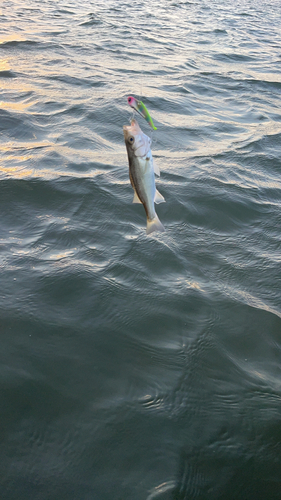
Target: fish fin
pixel 154 225
pixel 158 198
pixel 136 198
pixel 156 168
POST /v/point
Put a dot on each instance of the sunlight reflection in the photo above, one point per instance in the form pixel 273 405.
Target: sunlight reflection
pixel 4 65
pixel 16 172
pixel 162 488
pixel 258 374
pixel 15 106
pixel 11 38
pixel 63 255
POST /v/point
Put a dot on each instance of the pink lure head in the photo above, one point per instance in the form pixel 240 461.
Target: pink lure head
pixel 132 102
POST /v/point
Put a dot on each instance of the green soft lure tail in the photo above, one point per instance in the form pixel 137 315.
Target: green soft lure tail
pixel 141 109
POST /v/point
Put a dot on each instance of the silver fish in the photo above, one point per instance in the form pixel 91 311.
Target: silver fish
pixel 141 172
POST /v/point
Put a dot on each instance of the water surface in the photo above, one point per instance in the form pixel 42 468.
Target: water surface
pixel 138 367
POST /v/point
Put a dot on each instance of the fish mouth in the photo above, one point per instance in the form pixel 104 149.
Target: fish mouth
pixel 133 124
pixel 126 132
pixel 126 127
pixel 130 129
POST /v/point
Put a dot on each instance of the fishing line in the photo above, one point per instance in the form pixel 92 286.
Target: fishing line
pixel 141 84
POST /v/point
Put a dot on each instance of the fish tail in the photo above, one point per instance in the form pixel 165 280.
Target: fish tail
pixel 154 225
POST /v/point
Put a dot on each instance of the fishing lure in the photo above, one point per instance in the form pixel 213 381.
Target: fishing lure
pixel 141 109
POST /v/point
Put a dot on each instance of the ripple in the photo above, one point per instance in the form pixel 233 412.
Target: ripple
pixel 8 74
pixel 19 43
pixel 161 490
pixel 152 362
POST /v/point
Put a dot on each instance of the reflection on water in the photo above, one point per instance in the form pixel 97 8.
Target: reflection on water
pixel 133 366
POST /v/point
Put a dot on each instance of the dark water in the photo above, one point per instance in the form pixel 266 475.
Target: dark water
pixel 135 367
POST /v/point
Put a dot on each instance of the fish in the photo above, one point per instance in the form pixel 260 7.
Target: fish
pixel 142 173
pixel 142 110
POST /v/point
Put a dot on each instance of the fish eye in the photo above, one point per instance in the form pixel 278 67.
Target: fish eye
pixel 129 99
pixel 131 139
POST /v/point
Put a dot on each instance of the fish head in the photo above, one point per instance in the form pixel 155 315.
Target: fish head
pixel 136 141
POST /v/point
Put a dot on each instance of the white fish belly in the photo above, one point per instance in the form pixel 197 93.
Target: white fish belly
pixel 142 173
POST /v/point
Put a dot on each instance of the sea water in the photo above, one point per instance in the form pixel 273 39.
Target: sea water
pixel 135 367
